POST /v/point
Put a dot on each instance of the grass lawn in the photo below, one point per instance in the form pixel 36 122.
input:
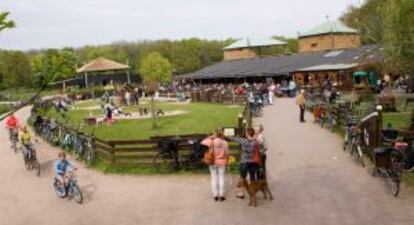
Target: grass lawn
pixel 5 108
pixel 397 119
pixel 23 93
pixel 201 118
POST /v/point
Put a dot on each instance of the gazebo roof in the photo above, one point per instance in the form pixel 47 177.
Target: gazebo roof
pixel 102 64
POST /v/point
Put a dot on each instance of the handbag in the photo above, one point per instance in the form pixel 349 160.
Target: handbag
pixel 209 155
pixel 256 154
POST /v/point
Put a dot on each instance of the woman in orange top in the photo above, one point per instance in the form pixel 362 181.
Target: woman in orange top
pixel 220 148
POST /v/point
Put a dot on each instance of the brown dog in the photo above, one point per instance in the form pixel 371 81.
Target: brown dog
pixel 254 187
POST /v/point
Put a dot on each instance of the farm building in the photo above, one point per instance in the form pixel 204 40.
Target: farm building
pixel 336 60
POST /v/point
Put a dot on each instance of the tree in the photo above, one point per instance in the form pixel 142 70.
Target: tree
pixel 4 22
pixel 155 69
pixel 367 20
pixel 16 70
pixel 54 65
pixel 398 36
pixel 388 23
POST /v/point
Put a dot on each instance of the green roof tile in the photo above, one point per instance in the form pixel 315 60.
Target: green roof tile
pixel 329 27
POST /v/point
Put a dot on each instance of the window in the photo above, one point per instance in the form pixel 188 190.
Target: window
pixel 314 45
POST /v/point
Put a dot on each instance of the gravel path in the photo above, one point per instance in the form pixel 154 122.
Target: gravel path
pixel 313 181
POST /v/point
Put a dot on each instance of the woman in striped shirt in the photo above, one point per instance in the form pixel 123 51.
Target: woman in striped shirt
pixel 247 164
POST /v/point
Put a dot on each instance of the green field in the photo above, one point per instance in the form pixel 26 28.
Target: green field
pixel 199 118
pixel 5 108
pixel 23 93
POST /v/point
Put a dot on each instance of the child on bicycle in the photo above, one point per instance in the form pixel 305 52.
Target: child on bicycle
pixel 62 167
pixel 12 123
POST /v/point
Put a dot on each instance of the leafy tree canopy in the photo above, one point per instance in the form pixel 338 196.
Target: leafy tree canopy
pixel 54 65
pixel 4 22
pixel 155 69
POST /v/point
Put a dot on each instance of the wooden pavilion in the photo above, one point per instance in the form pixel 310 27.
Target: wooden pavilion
pixel 102 71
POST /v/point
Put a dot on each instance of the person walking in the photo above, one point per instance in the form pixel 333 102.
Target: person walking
pixel 220 148
pixel 247 163
pixel 271 89
pixel 292 88
pixel 301 101
pixel 128 97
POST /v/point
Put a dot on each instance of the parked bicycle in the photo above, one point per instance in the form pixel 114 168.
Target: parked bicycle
pixel 352 140
pixel 90 148
pixel 393 160
pixel 168 158
pixel 195 159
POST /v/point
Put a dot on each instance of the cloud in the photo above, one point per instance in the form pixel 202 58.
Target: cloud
pixel 58 23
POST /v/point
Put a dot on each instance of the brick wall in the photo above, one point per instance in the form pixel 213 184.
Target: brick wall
pixel 238 54
pixel 326 42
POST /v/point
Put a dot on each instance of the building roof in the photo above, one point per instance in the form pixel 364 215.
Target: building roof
pixel 102 64
pixel 329 27
pixel 286 64
pixel 254 42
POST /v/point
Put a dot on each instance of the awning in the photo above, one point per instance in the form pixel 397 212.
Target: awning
pixel 360 74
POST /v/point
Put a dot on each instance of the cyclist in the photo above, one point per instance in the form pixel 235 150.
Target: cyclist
pixel 62 167
pixel 25 139
pixel 12 123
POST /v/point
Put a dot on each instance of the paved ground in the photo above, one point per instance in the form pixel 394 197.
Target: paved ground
pixel 313 180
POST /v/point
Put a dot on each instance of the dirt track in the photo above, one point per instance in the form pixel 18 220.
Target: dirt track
pixel 313 181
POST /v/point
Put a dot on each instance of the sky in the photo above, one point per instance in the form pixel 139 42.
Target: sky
pixel 75 23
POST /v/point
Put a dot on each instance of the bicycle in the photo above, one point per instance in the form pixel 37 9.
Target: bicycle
pixel 30 159
pixel 351 123
pixel 356 147
pixel 14 139
pixel 195 159
pixel 90 149
pixel 71 188
pixel 396 158
pixel 168 158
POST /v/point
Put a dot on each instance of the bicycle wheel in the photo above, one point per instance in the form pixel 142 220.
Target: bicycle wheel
pixel 77 194
pixel 164 163
pixel 395 185
pixel 360 155
pixel 345 146
pixel 89 157
pixel 36 167
pixel 15 146
pixel 352 148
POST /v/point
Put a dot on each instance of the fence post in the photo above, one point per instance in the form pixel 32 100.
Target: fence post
pixel 379 128
pixel 113 157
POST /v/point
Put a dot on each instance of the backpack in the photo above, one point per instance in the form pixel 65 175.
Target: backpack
pixel 256 154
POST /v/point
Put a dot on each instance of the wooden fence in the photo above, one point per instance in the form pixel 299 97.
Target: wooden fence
pixel 142 152
pixel 209 96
